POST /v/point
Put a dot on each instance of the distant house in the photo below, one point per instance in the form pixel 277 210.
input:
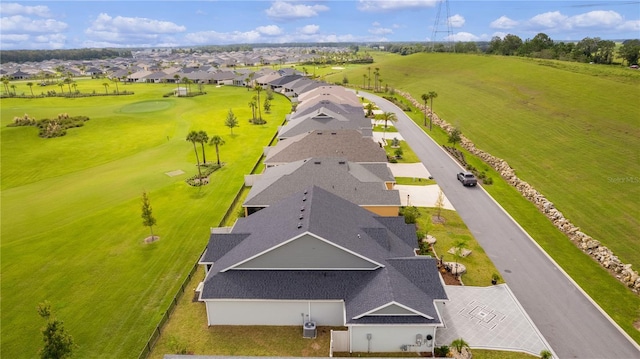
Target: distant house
pixel 369 185
pixel 314 258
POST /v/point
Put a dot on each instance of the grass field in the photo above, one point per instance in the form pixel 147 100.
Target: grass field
pixel 571 130
pixel 71 227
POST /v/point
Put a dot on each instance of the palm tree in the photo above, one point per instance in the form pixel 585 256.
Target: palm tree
pixel 116 80
pixel 425 98
pixel 258 88
pixel 75 86
pixel 13 87
pixel 369 77
pixel 376 73
pixel 68 82
pixel 545 354
pixel 432 95
pixel 193 138
pixel 253 105
pixel 459 344
pixel 388 116
pixel 364 80
pixel 61 86
pixel 5 82
pixel 30 84
pixel 369 107
pixel 203 138
pixel 217 141
pixel 106 86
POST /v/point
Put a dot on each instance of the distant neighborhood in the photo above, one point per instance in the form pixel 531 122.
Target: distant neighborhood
pixel 167 66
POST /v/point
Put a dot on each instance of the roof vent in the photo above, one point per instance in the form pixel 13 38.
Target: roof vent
pixel 334 133
pixel 304 198
pixel 317 162
pixel 341 162
pixel 319 133
pixel 299 224
pixel 305 191
pixel 301 216
pixel 302 209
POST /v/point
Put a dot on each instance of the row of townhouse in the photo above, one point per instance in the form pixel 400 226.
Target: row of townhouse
pixel 321 243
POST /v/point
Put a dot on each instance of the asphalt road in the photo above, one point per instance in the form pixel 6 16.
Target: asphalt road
pixel 570 322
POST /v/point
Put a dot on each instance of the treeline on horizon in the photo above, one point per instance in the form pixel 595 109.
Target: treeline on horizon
pixel 541 46
pixel 589 49
pixel 20 56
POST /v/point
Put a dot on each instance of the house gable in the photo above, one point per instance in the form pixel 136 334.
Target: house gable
pixel 307 252
pixel 393 309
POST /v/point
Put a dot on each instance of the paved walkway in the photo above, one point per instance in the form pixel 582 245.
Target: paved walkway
pixel 488 318
pixel 411 170
pixel 422 196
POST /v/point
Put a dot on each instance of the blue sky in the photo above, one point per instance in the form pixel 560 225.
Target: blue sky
pixel 79 24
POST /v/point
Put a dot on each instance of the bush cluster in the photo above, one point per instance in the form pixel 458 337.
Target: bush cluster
pixel 49 128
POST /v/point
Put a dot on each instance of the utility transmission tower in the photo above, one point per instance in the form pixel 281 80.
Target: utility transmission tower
pixel 437 28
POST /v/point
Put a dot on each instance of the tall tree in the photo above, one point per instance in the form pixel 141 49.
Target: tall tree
pixel 369 77
pixel 68 82
pixel 258 89
pixel 203 138
pixel 116 80
pixel 267 106
pixel 231 121
pixel 432 95
pixel 217 141
pixel 148 220
pixel 454 137
pixel 364 80
pixel 425 98
pixel 376 73
pixel 629 51
pixel 61 85
pixel 193 138
pixel 253 105
pixel 106 86
pixel 58 343
pixel 5 82
pixel 30 84
pixel 388 116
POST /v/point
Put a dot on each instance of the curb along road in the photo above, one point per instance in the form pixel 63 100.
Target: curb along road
pixel 570 321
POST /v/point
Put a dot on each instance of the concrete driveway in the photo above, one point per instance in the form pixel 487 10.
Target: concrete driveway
pixel 488 318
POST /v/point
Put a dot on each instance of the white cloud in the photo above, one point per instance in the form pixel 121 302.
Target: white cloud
pixel 214 37
pixel 499 34
pixel 632 25
pixel 17 9
pixel 282 10
pixel 599 19
pixel 456 20
pixel 130 31
pixel 384 6
pixel 309 29
pixel 269 30
pixel 463 36
pixel 503 23
pixel 133 25
pixel 380 31
pixel 22 24
pixel 548 20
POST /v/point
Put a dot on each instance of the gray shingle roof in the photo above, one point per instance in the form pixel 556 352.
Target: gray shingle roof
pixel 404 279
pixel 349 144
pixel 326 116
pixel 359 183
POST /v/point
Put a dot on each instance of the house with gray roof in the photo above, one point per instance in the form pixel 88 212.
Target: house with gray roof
pixel 369 185
pixel 326 116
pixel 316 259
pixel 349 144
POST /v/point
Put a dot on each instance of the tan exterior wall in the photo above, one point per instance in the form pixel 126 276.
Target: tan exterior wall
pixel 385 211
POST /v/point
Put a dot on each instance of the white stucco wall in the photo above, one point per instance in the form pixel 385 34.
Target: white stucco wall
pixel 390 338
pixel 263 312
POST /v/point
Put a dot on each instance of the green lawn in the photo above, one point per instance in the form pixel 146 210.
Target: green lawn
pixel 569 129
pixel 71 227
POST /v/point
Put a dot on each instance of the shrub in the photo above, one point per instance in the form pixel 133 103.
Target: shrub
pixel 441 352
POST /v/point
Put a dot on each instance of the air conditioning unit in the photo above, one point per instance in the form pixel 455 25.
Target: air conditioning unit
pixel 309 330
